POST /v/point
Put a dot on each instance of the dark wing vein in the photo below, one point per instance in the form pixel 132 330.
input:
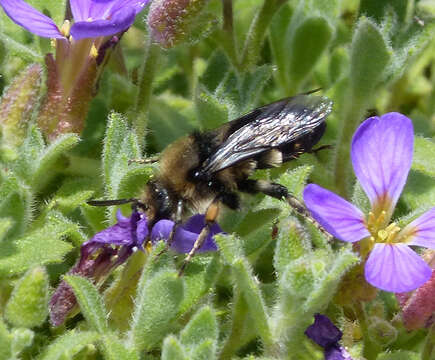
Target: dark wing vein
pixel 275 125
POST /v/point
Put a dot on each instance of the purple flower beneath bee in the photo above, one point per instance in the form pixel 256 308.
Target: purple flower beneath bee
pixel 92 18
pixel 112 247
pixel 325 334
pixel 382 149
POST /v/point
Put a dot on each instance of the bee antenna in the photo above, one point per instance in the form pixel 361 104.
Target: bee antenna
pixel 312 91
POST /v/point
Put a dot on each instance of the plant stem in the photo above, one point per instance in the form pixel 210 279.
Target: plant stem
pixel 371 350
pixel 428 352
pixel 147 73
pixel 257 32
pixel 225 37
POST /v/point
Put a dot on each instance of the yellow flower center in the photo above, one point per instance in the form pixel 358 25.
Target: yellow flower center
pixel 380 233
pixel 65 28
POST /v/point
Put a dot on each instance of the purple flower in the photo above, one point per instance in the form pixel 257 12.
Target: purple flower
pixel 381 154
pixel 111 247
pixel 186 234
pixel 92 18
pixel 325 334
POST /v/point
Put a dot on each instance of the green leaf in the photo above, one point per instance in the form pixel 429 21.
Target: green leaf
pixel 43 172
pixel 292 243
pixel 28 304
pixel 399 355
pixel 39 247
pixel 120 145
pixel 201 327
pixel 5 342
pixel 422 160
pixel 327 280
pixel 199 278
pixel 217 66
pixel 114 349
pixel 73 193
pixel 204 351
pixel 69 344
pixel 250 290
pixel 21 338
pixel 172 349
pixel 55 9
pixel 210 111
pixel 229 247
pixel 251 86
pixel 377 9
pixel 309 40
pixel 368 47
pixel 5 226
pixel 90 301
pixel 419 191
pixel 157 305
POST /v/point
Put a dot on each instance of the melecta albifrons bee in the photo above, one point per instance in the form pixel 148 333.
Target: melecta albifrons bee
pixel 201 171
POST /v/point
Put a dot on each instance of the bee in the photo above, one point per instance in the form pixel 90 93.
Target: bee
pixel 204 170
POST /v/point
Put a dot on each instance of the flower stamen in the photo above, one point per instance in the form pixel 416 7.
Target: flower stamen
pixel 65 28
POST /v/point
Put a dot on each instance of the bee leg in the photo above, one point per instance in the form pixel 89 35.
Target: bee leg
pixel 280 192
pixel 148 160
pixel 211 215
pixel 177 223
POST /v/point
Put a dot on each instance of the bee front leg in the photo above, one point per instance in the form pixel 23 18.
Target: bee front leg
pixel 280 192
pixel 211 215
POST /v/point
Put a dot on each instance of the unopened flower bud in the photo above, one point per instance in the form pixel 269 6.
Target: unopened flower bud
pixel 17 104
pixel 171 21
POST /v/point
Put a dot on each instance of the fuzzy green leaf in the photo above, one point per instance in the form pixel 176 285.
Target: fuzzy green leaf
pixel 419 191
pixel 217 66
pixel 73 193
pixel 28 304
pixel 210 111
pixel 120 145
pixel 248 286
pixel 21 338
pixel 114 349
pixel 43 172
pixel 157 305
pixel 69 344
pixel 229 247
pixel 5 342
pixel 399 355
pixel 310 39
pixel 292 244
pixel 172 349
pixel 327 280
pixel 199 278
pixel 41 246
pixel 55 9
pixel 421 161
pixel 201 327
pixel 368 47
pixel 5 226
pixel 90 301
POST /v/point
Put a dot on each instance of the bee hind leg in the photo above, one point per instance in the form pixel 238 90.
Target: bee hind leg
pixel 280 192
pixel 211 215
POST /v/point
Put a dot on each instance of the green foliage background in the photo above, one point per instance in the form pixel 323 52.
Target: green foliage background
pixel 255 297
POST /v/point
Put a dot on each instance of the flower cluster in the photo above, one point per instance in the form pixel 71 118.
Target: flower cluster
pixel 82 48
pixel 111 247
pixel 382 149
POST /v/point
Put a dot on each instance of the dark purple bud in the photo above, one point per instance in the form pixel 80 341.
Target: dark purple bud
pixel 324 333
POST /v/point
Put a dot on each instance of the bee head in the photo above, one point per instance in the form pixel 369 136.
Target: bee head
pixel 159 203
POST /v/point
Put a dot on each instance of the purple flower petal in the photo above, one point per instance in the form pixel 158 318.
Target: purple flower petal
pixel 336 215
pixel 421 231
pixel 186 234
pixel 128 231
pixel 89 29
pixel 31 19
pixel 381 153
pixel 80 9
pixel 137 5
pixel 396 268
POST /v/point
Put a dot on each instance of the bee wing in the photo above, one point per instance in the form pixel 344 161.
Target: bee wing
pixel 268 127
